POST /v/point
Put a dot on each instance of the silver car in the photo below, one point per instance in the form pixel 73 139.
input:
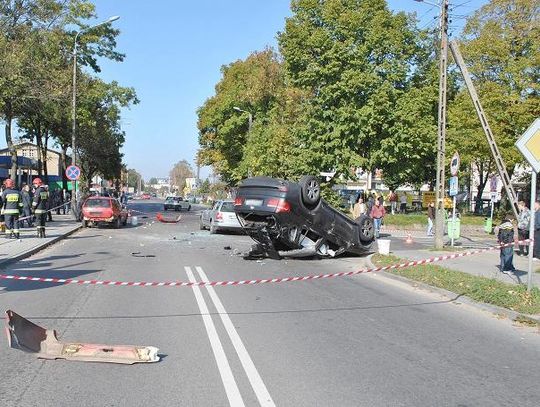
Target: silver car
pixel 220 217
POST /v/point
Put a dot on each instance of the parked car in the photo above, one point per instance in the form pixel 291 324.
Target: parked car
pixel 290 219
pixel 99 209
pixel 220 217
pixel 176 203
pixel 145 196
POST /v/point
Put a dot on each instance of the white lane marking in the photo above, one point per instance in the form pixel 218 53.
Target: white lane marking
pixel 251 371
pixel 231 388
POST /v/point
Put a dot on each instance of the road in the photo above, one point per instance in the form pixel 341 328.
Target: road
pixel 353 341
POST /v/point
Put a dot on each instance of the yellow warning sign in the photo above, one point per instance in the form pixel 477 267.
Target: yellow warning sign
pixel 533 145
pixel 529 145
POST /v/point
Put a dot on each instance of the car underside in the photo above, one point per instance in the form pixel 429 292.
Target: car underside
pixel 288 219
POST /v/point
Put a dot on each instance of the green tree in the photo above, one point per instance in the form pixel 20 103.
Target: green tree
pixel 501 47
pixel 153 181
pixel 354 58
pixel 178 174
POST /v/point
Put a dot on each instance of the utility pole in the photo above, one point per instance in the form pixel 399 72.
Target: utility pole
pixel 440 186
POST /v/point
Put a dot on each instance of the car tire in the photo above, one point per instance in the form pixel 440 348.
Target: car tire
pixel 311 190
pixel 84 224
pixel 117 223
pixel 189 208
pixel 366 228
pixel 213 228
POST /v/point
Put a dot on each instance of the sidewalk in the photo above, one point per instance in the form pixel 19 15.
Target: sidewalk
pixel 483 264
pixel 14 250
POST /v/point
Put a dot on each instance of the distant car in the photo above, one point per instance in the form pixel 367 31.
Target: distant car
pixel 153 195
pixel 290 219
pixel 220 217
pixel 98 209
pixel 145 196
pixel 176 203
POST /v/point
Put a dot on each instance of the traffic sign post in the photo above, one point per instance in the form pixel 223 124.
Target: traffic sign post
pixel 529 145
pixel 73 173
pixel 453 191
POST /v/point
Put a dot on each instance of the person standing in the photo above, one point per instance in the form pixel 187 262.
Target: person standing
pixel 536 250
pixel 506 237
pixel 430 218
pixel 524 223
pixel 393 202
pixel 26 196
pixel 48 213
pixel 359 208
pixel 11 205
pixel 66 199
pixel 377 214
pixel 39 204
pixel 403 203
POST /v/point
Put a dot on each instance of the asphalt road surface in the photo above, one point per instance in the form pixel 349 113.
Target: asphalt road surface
pixel 353 341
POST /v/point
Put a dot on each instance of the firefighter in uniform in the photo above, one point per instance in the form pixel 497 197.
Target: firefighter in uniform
pixel 11 205
pixel 39 206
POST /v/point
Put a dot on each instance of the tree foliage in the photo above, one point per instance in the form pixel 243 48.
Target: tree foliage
pixel 179 173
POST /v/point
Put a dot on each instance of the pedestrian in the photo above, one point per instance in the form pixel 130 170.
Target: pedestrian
pixel 39 204
pixel 377 214
pixel 370 203
pixel 505 236
pixel 11 205
pixel 536 250
pixel 524 223
pixel 430 218
pixel 393 198
pixel 403 203
pixel 26 196
pixel 66 199
pixel 359 208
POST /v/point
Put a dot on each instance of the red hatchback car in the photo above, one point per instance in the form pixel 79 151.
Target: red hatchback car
pixel 103 209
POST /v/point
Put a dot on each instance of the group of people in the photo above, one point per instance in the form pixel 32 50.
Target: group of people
pixel 506 235
pixel 32 203
pixel 374 208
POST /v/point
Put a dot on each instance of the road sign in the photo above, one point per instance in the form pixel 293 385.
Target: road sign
pixel 73 172
pixel 454 164
pixel 494 197
pixel 493 182
pixel 529 145
pixel 453 186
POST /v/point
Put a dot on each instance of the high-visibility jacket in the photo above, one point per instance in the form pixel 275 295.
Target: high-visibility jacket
pixel 41 196
pixel 11 202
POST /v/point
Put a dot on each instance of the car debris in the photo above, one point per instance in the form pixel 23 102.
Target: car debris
pixel 138 254
pixel 162 219
pixel 24 335
pixel 290 219
pixel 227 248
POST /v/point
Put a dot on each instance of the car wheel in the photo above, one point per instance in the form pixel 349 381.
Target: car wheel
pixel 189 208
pixel 116 223
pixel 84 224
pixel 311 190
pixel 213 228
pixel 366 228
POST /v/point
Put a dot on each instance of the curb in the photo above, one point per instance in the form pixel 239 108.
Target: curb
pixel 44 245
pixel 493 309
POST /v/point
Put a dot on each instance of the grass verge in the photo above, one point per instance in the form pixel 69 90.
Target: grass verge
pixel 489 291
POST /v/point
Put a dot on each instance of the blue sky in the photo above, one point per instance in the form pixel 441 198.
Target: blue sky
pixel 174 50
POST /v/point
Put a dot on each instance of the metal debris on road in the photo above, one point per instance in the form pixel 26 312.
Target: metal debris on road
pixel 138 254
pixel 162 219
pixel 29 337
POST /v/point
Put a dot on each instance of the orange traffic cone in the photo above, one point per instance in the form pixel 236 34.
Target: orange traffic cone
pixel 408 239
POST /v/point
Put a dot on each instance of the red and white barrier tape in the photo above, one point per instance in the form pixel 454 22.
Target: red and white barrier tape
pixel 258 281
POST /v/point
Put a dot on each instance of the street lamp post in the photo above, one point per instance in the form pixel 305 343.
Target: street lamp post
pixel 441 123
pixel 74 101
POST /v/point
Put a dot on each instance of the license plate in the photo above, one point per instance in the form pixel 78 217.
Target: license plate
pixel 254 202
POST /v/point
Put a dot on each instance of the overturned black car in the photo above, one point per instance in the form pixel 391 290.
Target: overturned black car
pixel 289 219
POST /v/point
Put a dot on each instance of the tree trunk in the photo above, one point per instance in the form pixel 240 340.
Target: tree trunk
pixel 8 116
pixel 484 176
pixel 63 158
pixel 39 144
pixel 44 154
